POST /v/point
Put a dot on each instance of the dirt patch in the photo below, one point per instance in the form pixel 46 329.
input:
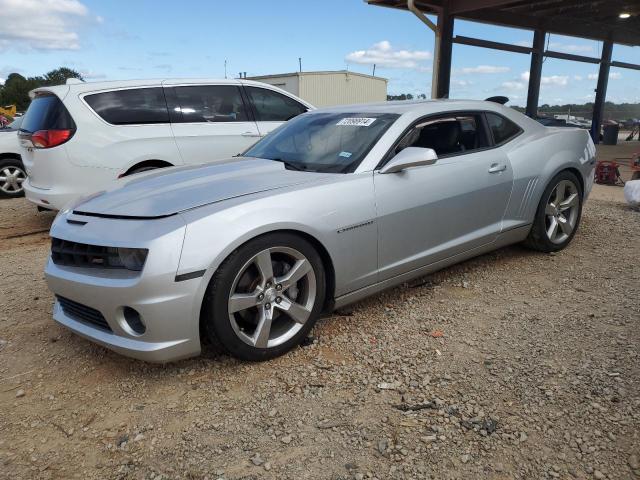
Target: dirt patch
pixel 536 376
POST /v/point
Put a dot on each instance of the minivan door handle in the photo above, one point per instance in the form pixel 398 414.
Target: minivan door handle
pixel 250 134
pixel 497 168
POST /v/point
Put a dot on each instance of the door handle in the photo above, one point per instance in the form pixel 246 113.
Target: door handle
pixel 250 134
pixel 497 168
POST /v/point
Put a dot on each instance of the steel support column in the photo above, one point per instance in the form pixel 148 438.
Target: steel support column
pixel 535 73
pixel 601 90
pixel 444 46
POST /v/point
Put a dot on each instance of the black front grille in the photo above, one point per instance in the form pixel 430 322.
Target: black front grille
pixel 83 314
pixel 67 253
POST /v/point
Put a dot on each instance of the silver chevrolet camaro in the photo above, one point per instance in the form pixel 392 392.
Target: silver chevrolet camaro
pixel 335 205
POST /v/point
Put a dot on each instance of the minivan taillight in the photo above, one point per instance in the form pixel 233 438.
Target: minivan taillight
pixel 50 138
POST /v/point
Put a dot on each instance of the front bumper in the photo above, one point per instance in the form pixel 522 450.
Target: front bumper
pixel 170 310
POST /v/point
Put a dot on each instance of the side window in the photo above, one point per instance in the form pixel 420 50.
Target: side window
pixel 132 106
pixel 450 135
pixel 274 107
pixel 502 129
pixel 210 103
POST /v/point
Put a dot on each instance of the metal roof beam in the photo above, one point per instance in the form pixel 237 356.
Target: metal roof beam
pixel 477 42
pixel 459 6
pixel 570 56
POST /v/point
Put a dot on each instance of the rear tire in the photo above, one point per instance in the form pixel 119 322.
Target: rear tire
pixel 558 215
pixel 12 175
pixel 265 297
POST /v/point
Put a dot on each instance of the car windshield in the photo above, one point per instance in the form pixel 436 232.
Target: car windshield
pixel 324 142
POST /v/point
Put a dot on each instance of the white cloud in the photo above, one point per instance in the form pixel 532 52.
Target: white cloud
pixel 578 78
pixel 570 48
pixel 91 75
pixel 556 80
pixel 612 76
pixel 483 69
pixel 513 85
pixel 461 82
pixel 384 55
pixel 41 24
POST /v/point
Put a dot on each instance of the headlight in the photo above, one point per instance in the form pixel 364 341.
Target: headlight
pixel 133 258
pixel 129 258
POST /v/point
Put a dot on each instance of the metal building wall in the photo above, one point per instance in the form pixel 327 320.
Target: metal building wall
pixel 289 83
pixel 338 88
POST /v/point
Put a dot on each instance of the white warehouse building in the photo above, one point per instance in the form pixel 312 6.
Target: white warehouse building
pixel 324 89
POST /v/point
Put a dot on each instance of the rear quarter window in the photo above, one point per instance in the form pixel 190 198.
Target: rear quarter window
pixel 502 128
pixel 134 106
pixel 46 112
pixel 272 106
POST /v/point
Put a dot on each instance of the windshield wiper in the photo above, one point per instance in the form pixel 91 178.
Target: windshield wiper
pixel 289 165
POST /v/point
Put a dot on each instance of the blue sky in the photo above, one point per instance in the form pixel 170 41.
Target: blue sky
pixel 151 39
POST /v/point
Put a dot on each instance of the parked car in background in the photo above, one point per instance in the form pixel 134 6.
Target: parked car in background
pixel 338 204
pixel 79 137
pixel 12 171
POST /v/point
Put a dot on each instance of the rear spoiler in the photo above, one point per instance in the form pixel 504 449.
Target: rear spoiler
pixel 497 99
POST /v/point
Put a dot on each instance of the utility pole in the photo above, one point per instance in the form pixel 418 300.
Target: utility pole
pixel 374 70
pixel 300 63
pixel 225 68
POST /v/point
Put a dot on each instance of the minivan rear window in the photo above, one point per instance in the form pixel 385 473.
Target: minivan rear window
pixel 46 112
pixel 130 107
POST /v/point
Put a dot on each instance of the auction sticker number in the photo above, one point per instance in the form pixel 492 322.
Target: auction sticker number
pixel 356 122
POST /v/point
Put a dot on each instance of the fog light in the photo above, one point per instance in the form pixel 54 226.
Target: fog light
pixel 134 321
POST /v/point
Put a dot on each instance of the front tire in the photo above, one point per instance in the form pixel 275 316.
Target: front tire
pixel 558 214
pixel 12 176
pixel 265 297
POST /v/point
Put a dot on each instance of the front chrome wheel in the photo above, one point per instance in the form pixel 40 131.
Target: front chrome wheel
pixel 562 211
pixel 11 180
pixel 272 297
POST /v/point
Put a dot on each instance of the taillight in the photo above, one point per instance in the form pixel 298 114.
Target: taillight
pixel 50 138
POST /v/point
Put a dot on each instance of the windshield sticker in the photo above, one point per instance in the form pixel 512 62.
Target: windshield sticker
pixel 356 122
pixel 345 154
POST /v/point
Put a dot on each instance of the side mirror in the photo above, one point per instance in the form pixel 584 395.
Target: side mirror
pixel 410 157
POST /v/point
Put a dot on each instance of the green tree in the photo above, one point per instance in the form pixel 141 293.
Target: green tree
pixel 59 76
pixel 16 88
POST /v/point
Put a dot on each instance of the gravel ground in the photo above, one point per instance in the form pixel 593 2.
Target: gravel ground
pixel 512 365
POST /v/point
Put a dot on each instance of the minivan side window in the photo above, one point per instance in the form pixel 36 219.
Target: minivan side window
pixel 210 103
pixel 502 128
pixel 130 107
pixel 272 106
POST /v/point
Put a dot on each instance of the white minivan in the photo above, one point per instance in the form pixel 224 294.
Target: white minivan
pixel 77 138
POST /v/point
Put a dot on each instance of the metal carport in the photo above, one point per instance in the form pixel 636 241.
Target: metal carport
pixel 610 21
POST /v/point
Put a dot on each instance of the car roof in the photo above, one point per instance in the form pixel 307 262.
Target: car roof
pixel 419 106
pixel 82 87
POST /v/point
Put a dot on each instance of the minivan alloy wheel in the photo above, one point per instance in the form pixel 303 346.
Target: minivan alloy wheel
pixel 272 297
pixel 562 211
pixel 11 179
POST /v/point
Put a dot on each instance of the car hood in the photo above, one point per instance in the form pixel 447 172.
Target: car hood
pixel 165 192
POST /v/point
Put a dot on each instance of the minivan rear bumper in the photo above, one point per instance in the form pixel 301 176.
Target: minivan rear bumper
pixel 60 195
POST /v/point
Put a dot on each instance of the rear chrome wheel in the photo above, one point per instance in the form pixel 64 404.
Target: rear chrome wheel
pixel 265 297
pixel 272 297
pixel 12 176
pixel 562 211
pixel 558 214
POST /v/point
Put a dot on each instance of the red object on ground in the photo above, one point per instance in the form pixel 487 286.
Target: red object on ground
pixel 607 172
